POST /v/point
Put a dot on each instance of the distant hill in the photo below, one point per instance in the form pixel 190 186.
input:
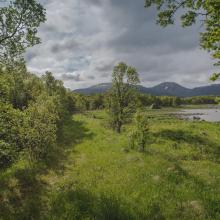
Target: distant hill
pixel 163 89
pixel 99 88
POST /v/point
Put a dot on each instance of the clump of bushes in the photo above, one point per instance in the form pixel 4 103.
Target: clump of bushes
pixel 140 134
pixel 32 110
pixel 11 121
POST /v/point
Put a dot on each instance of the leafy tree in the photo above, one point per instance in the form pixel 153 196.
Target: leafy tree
pixel 96 101
pixel 18 28
pixel 206 11
pixel 176 101
pixel 122 95
pixel 6 87
pixel 81 102
pixel 139 136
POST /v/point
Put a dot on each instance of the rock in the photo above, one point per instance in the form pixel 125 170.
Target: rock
pixel 196 118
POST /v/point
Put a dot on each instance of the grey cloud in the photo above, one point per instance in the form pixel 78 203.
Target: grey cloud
pixel 70 77
pixel 30 55
pixel 104 67
pixel 91 77
pixel 83 40
pixel 67 45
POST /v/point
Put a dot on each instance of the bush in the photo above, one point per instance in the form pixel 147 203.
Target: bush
pixel 11 121
pixel 40 128
pixel 7 154
pixel 138 137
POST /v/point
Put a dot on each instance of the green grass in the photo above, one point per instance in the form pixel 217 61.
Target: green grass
pixel 94 176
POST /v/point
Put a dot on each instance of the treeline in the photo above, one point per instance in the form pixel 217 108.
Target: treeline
pixel 32 111
pixel 100 101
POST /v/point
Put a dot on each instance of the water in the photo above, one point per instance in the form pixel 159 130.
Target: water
pixel 211 115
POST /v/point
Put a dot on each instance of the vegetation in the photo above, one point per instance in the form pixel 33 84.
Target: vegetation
pixel 101 101
pixel 176 179
pixel 60 161
pixel 206 11
pixel 122 95
pixel 32 110
pixel 139 136
pixel 18 28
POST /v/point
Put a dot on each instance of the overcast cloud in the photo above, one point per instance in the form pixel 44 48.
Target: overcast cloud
pixel 83 39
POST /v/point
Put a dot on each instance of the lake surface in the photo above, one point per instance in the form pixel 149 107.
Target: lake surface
pixel 211 115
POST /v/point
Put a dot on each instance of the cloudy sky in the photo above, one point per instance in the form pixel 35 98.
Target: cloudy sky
pixel 83 39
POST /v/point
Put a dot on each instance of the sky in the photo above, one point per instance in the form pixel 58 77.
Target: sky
pixel 82 40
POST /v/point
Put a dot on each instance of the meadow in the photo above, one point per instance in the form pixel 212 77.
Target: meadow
pixel 97 176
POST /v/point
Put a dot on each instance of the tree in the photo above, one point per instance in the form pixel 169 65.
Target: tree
pixel 206 11
pixel 138 137
pixel 18 28
pixel 176 101
pixel 122 95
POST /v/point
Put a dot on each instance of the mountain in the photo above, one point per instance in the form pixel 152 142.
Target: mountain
pixel 206 90
pixel 170 89
pixel 99 88
pixel 163 89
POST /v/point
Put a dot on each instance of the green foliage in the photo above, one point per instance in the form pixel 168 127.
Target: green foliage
pixel 11 121
pixel 5 87
pixel 215 76
pixel 8 155
pixel 101 101
pixel 140 133
pixel 18 28
pixel 40 128
pixel 198 100
pixel 206 11
pixel 122 96
pixel 32 111
pixel 217 100
pixel 96 102
pixel 171 101
pixel 63 98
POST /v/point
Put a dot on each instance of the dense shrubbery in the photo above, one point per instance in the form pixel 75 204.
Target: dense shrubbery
pixel 31 112
pixel 11 121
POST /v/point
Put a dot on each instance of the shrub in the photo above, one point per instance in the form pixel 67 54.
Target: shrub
pixel 40 128
pixel 7 154
pixel 138 137
pixel 11 121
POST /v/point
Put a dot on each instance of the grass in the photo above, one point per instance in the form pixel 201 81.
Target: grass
pixel 96 175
